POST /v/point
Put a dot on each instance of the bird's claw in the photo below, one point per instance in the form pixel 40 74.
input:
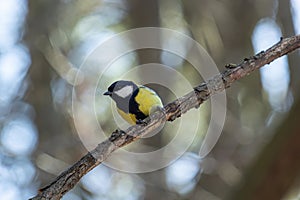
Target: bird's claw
pixel 141 122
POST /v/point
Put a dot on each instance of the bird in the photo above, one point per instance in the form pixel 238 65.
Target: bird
pixel 134 103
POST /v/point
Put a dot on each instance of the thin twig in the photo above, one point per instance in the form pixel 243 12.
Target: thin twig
pixel 69 178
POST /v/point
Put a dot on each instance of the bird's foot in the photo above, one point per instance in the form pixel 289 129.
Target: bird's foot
pixel 143 122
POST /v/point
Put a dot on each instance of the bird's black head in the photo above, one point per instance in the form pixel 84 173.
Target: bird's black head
pixel 121 89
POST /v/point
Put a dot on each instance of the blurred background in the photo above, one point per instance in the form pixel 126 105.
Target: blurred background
pixel 42 46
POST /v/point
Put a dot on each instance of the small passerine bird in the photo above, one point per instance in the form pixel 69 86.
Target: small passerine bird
pixel 134 103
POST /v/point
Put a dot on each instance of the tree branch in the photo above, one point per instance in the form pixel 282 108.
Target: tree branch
pixel 68 179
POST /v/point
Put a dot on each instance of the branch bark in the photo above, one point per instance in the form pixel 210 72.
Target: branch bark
pixel 69 178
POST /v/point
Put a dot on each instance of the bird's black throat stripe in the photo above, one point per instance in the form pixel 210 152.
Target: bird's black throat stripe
pixel 129 105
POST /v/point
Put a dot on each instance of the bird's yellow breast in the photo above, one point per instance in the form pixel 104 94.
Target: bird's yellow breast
pixel 130 118
pixel 148 101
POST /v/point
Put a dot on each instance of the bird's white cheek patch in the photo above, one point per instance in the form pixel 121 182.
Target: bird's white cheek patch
pixel 125 91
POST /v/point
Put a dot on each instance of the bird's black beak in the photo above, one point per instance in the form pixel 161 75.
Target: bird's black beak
pixel 107 93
